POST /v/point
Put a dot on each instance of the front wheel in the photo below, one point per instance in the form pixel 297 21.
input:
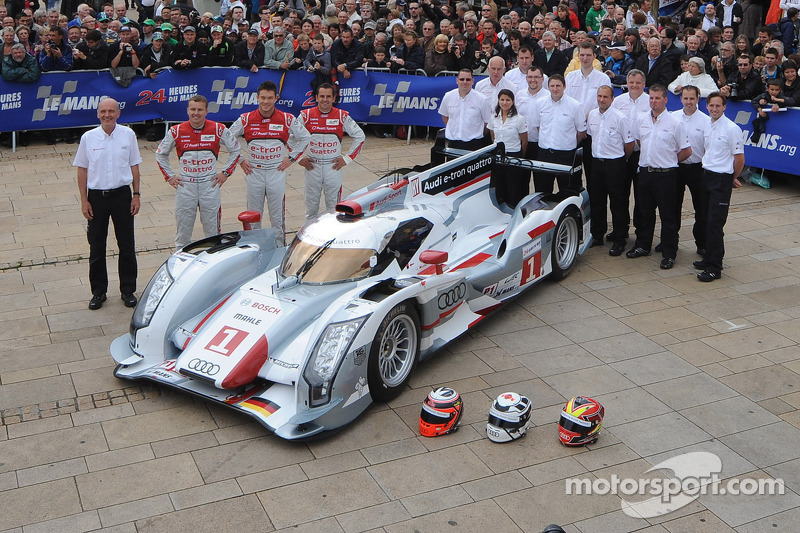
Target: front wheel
pixel 565 245
pixel 394 352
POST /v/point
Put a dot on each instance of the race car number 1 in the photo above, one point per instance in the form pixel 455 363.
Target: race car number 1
pixel 226 341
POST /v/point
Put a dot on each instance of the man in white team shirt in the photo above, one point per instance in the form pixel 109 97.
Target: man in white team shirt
pixel 526 100
pixel 582 85
pixel 465 113
pixel 690 171
pixel 723 161
pixel 518 75
pixel 562 126
pixel 632 103
pixel 490 87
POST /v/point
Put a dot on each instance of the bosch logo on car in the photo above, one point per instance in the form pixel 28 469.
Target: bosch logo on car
pixel 453 296
pixel 204 367
pixel 266 308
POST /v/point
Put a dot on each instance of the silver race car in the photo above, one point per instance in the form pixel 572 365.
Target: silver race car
pixel 305 338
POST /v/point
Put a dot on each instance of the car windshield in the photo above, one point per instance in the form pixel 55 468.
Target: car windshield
pixel 315 263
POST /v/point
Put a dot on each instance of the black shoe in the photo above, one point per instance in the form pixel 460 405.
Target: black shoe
pixel 633 253
pixel 667 263
pixel 616 250
pixel 701 251
pixel 659 247
pixel 97 301
pixel 51 141
pixel 129 300
pixel 700 265
pixel 707 276
pixel 596 241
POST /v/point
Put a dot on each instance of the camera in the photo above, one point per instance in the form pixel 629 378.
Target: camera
pixel 51 42
pixel 734 91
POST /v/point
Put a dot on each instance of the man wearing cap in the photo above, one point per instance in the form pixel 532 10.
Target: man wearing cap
pixel 155 56
pixel 166 30
pixel 278 50
pixel 122 53
pixel 198 182
pixel 109 36
pixel 618 64
pixel 188 54
pixel 148 28
pixel 272 137
pixel 73 34
pixel 325 160
pixel 249 52
pixel 220 50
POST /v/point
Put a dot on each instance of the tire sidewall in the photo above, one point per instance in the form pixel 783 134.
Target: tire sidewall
pixel 557 272
pixel 378 389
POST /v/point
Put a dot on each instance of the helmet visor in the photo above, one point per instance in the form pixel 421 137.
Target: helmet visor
pixel 430 415
pixel 574 425
pixel 505 424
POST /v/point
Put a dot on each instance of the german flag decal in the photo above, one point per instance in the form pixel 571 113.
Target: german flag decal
pixel 260 406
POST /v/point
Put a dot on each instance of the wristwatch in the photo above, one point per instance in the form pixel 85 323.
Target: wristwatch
pixel 136 193
pixel 226 173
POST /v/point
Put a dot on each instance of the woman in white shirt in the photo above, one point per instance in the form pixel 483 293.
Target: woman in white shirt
pixel 507 126
pixel 696 75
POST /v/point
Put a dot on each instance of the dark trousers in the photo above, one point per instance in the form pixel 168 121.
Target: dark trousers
pixel 586 144
pixel 511 184
pixel 607 182
pixel 543 182
pixel 631 176
pixel 691 176
pixel 114 205
pixel 657 190
pixel 718 189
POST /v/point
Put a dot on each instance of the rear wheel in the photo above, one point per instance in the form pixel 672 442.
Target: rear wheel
pixel 394 352
pixel 565 244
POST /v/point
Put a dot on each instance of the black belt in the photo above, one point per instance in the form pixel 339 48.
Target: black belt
pixel 690 164
pixel 608 160
pixel 719 173
pixel 110 192
pixel 654 170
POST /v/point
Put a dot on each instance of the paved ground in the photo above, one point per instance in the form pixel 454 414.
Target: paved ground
pixel 681 366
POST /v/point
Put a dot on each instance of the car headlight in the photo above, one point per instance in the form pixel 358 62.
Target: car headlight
pixel 151 297
pixel 328 353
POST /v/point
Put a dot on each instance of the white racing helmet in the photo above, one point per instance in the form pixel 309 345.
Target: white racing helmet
pixel 509 417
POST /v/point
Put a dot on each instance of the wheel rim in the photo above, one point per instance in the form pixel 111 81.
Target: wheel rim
pixel 397 350
pixel 566 243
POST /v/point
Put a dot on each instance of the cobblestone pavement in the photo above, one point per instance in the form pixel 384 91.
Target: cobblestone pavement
pixel 681 367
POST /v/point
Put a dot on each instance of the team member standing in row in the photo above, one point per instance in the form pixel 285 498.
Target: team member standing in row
pixel 198 182
pixel 664 144
pixel 722 163
pixel 465 113
pixel 612 144
pixel 272 137
pixel 325 161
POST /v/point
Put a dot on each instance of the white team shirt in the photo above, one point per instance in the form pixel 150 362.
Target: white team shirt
pixel 526 105
pixel 584 88
pixel 558 122
pixel 509 132
pixel 610 132
pixel 660 140
pixel 723 140
pixel 465 116
pixel 108 158
pixel 490 91
pixel 695 127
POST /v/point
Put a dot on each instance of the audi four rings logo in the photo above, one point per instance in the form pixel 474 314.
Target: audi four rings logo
pixel 204 367
pixel 245 302
pixel 454 295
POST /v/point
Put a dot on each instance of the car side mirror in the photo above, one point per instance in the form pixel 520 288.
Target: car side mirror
pixel 434 257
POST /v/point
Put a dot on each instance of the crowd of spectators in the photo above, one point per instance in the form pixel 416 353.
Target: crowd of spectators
pixel 723 47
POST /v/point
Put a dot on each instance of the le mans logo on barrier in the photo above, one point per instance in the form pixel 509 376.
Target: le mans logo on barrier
pixel 399 101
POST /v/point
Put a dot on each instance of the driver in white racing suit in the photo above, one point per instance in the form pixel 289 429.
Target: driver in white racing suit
pixel 198 183
pixel 271 136
pixel 325 161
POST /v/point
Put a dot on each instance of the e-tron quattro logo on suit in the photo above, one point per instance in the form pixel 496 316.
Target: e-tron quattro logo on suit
pixel 452 296
pixel 204 367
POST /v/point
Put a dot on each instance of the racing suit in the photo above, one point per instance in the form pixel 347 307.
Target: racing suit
pixel 324 148
pixel 269 142
pixel 198 150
